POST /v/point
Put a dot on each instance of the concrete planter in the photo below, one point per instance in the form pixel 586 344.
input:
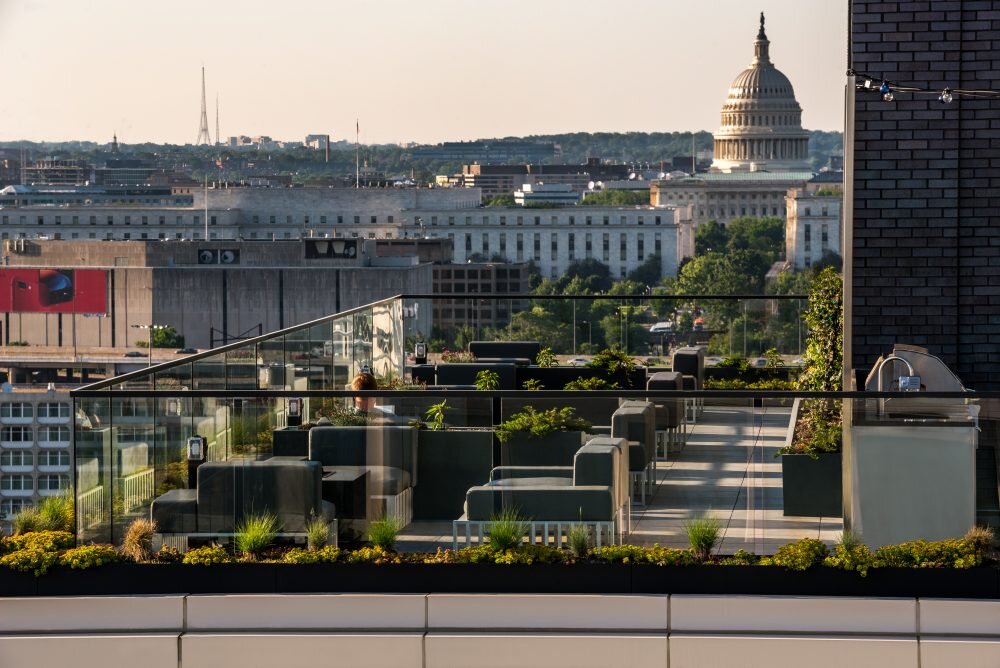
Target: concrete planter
pixel 556 449
pixel 450 462
pixel 811 487
pixel 591 578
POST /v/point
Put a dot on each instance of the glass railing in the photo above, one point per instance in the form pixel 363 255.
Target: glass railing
pixel 269 426
pixel 445 463
pixel 642 325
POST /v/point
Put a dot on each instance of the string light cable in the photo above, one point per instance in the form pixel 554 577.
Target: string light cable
pixel 889 89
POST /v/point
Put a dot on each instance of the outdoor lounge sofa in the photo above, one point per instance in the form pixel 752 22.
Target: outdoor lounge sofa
pixel 387 456
pixel 593 492
pixel 228 492
pixel 635 421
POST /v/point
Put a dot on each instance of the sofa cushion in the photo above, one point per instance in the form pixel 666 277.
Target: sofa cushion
pixel 636 421
pixel 379 445
pixel 229 491
pixel 543 503
pixel 176 511
pixel 543 481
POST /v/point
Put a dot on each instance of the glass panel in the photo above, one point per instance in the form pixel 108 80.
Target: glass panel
pixel 209 373
pixel 92 464
pixel 275 371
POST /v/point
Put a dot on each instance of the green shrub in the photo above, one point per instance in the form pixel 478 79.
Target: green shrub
pixel 384 532
pixel 798 556
pixel 325 555
pixel 373 555
pixel 89 556
pixel 31 560
pixel 457 357
pixel 703 536
pixel 772 359
pixel 169 555
pixel 46 541
pixel 850 556
pixel 734 362
pixel 634 554
pixel 487 380
pixel 546 358
pixel 137 545
pixel 532 384
pixel 255 533
pixel 740 558
pixel 537 424
pixel 590 384
pixel 578 538
pixel 507 529
pixel 613 361
pixel 56 513
pixel 435 415
pixel 489 553
pixel 771 384
pixel 952 553
pixel 207 556
pixel 317 534
pixel 26 520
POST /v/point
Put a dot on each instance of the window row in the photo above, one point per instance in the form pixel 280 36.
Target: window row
pixel 27 458
pixel 562 219
pixel 322 220
pixel 21 482
pixel 15 409
pixel 23 434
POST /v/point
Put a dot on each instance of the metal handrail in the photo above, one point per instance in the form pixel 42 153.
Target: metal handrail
pixel 151 370
pixel 529 394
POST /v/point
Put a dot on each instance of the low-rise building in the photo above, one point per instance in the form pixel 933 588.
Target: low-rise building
pixel 813 225
pixel 35 448
pixel 621 237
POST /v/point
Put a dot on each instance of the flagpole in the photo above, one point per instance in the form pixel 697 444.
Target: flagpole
pixel 357 154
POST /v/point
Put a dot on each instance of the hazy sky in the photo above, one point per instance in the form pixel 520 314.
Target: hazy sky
pixel 410 71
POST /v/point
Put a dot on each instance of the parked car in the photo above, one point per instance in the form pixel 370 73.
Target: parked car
pixel 662 328
pixel 578 361
pixel 186 351
pixel 135 353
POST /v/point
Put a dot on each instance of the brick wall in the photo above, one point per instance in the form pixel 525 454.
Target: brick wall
pixel 926 247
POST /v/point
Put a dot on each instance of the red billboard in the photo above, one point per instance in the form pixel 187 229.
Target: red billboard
pixel 53 290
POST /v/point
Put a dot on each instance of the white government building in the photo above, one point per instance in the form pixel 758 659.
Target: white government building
pixel 761 154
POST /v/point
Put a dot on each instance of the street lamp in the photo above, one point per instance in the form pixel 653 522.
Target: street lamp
pixel 149 329
pixel 590 338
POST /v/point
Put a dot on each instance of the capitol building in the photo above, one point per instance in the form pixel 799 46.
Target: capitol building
pixel 761 164
pixel 761 120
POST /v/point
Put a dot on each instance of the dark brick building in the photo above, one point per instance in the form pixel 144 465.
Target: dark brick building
pixel 926 186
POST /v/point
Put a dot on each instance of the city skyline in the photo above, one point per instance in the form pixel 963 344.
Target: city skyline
pixel 423 76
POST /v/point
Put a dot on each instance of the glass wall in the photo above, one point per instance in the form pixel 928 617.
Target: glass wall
pixel 633 452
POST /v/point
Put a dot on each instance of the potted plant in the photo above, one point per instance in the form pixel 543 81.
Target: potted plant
pixel 811 464
pixel 541 438
pixel 450 460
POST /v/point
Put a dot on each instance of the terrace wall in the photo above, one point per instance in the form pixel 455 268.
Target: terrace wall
pixel 446 630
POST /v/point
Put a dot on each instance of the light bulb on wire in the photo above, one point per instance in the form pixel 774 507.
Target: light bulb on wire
pixel 886 92
pixel 946 96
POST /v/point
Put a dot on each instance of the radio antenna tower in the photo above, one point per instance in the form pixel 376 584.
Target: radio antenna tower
pixel 218 135
pixel 203 136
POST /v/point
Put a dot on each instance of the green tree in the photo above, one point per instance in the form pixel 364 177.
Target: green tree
pixel 710 236
pixel 617 198
pixel 506 199
pixel 165 337
pixel 649 272
pixel 765 235
pixel 596 274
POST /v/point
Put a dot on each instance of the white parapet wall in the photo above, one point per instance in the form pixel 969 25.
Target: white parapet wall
pixel 484 630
